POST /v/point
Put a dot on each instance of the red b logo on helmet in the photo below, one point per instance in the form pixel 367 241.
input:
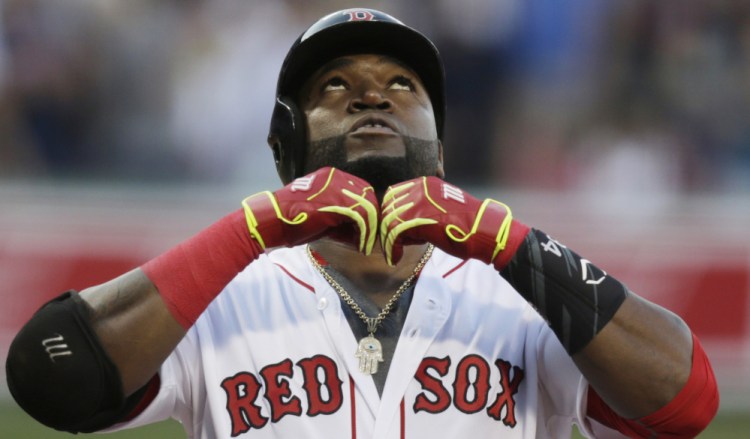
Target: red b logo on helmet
pixel 359 15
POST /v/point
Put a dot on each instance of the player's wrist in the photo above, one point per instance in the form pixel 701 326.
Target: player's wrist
pixel 516 234
pixel 496 234
pixel 575 296
pixel 190 275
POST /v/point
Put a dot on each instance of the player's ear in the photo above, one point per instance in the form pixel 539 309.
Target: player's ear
pixel 440 171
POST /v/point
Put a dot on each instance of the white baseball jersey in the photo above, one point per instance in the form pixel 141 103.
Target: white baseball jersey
pixel 274 357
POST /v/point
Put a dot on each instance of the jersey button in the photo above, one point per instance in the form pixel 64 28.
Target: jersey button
pixel 322 303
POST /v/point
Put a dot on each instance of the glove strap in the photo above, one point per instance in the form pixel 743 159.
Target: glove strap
pixel 264 206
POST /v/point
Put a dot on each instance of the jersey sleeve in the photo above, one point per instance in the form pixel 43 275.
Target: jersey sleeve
pixel 177 389
pixel 558 382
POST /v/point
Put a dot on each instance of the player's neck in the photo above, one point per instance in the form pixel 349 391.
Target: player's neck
pixel 371 275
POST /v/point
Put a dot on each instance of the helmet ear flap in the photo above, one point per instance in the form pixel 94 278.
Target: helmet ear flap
pixel 287 139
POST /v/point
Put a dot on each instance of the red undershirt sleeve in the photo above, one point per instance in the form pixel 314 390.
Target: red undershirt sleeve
pixel 192 274
pixel 689 412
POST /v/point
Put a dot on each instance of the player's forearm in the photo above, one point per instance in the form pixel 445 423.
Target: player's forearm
pixel 134 326
pixel 640 360
pixel 140 317
pixel 635 354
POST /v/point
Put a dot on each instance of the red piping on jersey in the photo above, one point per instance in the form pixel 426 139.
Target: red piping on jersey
pixel 354 408
pixel 295 278
pixel 452 270
pixel 403 420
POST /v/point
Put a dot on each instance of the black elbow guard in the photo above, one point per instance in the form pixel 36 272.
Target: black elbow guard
pixel 59 373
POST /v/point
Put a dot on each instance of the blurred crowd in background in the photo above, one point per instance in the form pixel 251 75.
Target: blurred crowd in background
pixel 626 96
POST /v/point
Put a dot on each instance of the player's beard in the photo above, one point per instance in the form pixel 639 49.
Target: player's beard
pixel 420 159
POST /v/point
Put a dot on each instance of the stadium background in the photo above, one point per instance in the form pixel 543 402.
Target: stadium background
pixel 619 127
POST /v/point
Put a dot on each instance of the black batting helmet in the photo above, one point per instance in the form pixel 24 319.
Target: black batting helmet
pixel 345 32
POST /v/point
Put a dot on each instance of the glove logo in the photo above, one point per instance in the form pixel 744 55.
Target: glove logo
pixel 302 184
pixel 453 193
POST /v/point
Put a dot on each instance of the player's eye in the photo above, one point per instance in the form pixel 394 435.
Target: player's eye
pixel 402 83
pixel 334 83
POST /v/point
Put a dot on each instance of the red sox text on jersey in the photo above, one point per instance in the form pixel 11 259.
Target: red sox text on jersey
pixel 324 390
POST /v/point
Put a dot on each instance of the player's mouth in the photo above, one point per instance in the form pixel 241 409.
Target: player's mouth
pixel 373 126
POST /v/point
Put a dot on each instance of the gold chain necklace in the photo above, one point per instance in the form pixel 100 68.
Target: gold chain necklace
pixel 370 351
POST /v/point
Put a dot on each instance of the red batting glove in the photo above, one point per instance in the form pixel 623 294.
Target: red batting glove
pixel 325 202
pixel 428 209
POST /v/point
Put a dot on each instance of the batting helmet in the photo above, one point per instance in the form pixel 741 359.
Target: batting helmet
pixel 345 32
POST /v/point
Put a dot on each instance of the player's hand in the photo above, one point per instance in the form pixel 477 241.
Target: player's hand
pixel 325 202
pixel 428 209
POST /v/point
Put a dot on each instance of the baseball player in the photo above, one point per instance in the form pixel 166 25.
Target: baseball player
pixel 366 298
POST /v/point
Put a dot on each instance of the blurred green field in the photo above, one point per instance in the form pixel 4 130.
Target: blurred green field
pixel 724 426
pixel 15 424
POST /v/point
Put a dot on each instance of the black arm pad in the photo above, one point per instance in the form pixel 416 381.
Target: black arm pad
pixel 575 297
pixel 59 373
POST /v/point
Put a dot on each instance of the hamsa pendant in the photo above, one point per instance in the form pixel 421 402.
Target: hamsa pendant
pixel 369 353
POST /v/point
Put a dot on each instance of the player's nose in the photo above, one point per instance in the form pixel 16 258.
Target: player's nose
pixel 370 97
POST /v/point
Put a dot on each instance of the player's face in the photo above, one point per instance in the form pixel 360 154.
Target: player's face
pixel 370 114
